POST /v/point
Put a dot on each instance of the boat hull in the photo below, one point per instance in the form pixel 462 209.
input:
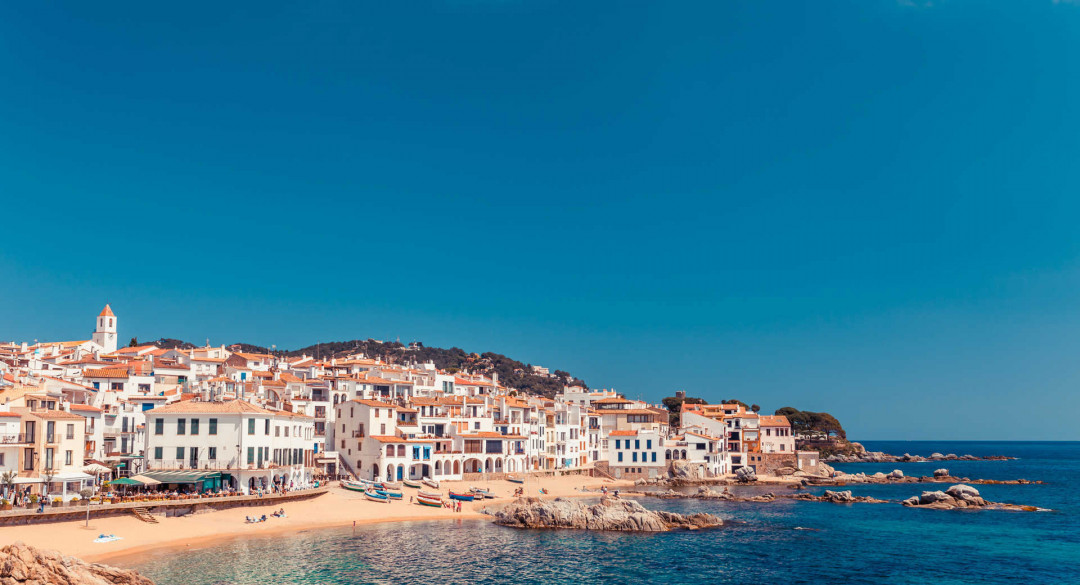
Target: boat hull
pixel 426 502
pixel 431 482
pixel 462 497
pixel 412 484
pixel 376 497
pixel 353 486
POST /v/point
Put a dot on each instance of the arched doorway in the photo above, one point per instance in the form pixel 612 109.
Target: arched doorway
pixel 438 470
pixel 457 468
pixel 374 471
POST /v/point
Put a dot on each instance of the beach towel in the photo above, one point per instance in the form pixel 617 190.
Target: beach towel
pixel 107 538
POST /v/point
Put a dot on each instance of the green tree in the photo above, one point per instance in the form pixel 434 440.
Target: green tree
pixel 755 408
pixel 134 342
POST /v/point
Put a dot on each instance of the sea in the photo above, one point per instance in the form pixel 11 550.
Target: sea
pixel 779 543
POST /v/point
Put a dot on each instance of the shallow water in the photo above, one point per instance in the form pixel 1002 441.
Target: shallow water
pixel 782 542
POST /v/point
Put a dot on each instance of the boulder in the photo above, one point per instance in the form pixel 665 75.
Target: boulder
pixel 843 497
pixel 745 474
pixel 933 497
pixel 941 472
pixel 962 492
pixel 896 474
pixel 610 514
pixel 937 456
pixel 685 470
pixel 20 563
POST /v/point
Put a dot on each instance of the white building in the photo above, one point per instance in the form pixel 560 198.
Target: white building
pixel 245 445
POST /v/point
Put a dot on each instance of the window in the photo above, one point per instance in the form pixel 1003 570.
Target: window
pixel 782 447
pixel 654 457
pixel 49 458
pixel 28 459
pixel 211 453
pixel 157 453
pixel 267 431
pixel 634 457
pixel 159 426
pixel 617 445
pixel 637 443
pixel 287 431
pixel 70 432
pixel 251 453
pixel 213 426
pixel 251 430
pixel 194 426
pixel 180 453
pixel 67 457
pixel 620 456
pixel 382 429
pixel 1 459
pixel 648 443
pixel 181 426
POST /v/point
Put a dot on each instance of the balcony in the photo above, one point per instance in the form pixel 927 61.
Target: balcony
pixel 16 439
pixel 358 434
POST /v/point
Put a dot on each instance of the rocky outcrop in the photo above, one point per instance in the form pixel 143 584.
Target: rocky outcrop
pixel 959 496
pixel 879 457
pixel 685 470
pixel 839 497
pixel 941 472
pixel 896 476
pixel 610 514
pixel 745 474
pixel 20 563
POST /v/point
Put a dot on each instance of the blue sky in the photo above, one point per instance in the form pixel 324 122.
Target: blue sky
pixel 865 207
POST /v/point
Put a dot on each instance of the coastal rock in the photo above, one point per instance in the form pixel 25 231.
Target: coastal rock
pixel 896 474
pixel 685 470
pixel 936 456
pixel 941 472
pixel 838 497
pixel 745 474
pixel 610 514
pixel 20 563
pixel 959 496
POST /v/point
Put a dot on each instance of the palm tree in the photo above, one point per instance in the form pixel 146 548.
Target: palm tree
pixel 7 479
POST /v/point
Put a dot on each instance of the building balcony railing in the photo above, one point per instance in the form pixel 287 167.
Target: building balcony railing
pixel 358 434
pixel 16 439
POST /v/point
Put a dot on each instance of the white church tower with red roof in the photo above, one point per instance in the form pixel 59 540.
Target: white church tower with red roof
pixel 105 333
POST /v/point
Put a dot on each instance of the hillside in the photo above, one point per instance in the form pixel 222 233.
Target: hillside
pixel 511 372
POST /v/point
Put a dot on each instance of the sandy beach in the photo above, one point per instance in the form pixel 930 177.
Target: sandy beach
pixel 338 507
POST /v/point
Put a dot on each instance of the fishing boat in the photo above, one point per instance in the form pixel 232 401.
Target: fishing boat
pixel 430 482
pixel 482 493
pixel 353 486
pixel 389 494
pixel 429 495
pixel 412 484
pixel 428 502
pixel 392 486
pixel 463 497
pixel 375 496
pixel 513 479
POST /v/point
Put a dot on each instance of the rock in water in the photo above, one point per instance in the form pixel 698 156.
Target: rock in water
pixel 941 472
pixel 610 514
pixel 20 563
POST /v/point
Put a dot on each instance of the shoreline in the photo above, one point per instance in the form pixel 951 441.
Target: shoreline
pixel 338 508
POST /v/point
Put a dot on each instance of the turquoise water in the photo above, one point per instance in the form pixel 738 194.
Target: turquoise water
pixel 861 543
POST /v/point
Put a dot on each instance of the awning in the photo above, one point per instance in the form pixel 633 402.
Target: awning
pixel 20 480
pixel 125 481
pixel 145 480
pixel 71 476
pixel 182 476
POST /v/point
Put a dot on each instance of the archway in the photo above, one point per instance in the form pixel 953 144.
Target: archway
pixel 498 465
pixel 438 470
pixel 684 453
pixel 400 472
pixel 457 468
pixel 667 454
pixel 389 473
pixel 374 471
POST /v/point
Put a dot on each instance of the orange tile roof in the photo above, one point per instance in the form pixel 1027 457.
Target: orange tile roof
pixel 106 312
pixel 374 403
pixel 232 406
pixel 55 414
pixel 85 407
pixel 768 420
pixel 622 434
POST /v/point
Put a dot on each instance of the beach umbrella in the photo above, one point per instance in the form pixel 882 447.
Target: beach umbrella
pixel 96 469
pixel 125 481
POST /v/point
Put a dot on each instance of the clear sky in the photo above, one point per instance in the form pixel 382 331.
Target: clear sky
pixel 866 207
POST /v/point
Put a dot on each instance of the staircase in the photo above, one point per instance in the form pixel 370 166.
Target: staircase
pixel 144 515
